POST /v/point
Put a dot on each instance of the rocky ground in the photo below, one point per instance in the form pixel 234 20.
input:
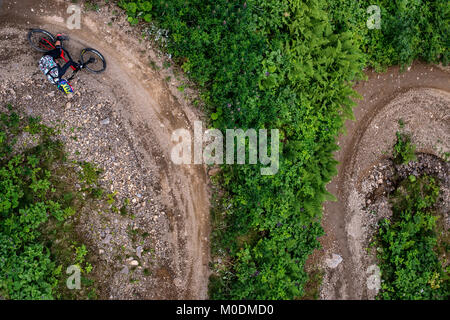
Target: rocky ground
pixel 94 132
pixel 384 178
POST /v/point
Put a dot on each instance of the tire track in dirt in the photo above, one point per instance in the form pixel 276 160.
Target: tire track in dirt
pixel 153 111
pixel 347 280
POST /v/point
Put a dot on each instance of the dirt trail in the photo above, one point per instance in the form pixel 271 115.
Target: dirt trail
pixel 151 109
pixel 419 95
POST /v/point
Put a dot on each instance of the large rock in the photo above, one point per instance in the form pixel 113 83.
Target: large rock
pixel 334 261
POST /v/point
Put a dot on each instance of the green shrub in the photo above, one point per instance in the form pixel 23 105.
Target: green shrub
pixel 30 204
pixel 404 150
pixel 410 30
pixel 409 263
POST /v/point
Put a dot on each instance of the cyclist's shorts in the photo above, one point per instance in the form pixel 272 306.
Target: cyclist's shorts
pixel 49 67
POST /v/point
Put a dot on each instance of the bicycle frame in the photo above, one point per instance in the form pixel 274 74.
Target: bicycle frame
pixel 63 51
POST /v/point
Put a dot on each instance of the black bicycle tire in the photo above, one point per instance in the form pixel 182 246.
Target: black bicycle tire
pixel 98 54
pixel 33 31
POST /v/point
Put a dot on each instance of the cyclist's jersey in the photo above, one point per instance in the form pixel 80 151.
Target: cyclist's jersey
pixel 50 68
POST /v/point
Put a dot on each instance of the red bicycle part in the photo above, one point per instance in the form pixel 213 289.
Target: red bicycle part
pixel 49 43
pixel 62 52
pixel 65 60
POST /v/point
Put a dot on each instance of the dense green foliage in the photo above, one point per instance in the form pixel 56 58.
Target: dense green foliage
pixel 287 65
pixel 31 207
pixel 409 29
pixel 409 260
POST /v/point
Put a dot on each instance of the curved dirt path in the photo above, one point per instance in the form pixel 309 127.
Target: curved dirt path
pixel 420 96
pixel 151 109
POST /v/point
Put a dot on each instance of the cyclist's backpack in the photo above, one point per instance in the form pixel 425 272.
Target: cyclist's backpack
pixel 50 68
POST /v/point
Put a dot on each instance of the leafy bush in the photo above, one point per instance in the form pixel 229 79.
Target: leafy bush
pixel 29 204
pixel 409 30
pixel 409 263
pixel 404 150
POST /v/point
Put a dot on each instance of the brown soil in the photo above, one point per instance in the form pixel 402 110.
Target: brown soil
pixel 146 108
pixel 420 97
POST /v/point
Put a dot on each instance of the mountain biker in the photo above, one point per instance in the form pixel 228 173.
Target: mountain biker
pixel 53 70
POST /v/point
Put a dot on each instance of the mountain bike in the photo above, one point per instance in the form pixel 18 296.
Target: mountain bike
pixel 90 59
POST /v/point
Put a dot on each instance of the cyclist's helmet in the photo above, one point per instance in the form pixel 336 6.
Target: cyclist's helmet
pixel 65 86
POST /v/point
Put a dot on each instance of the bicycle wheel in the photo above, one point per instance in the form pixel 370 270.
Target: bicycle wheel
pixel 93 60
pixel 41 40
